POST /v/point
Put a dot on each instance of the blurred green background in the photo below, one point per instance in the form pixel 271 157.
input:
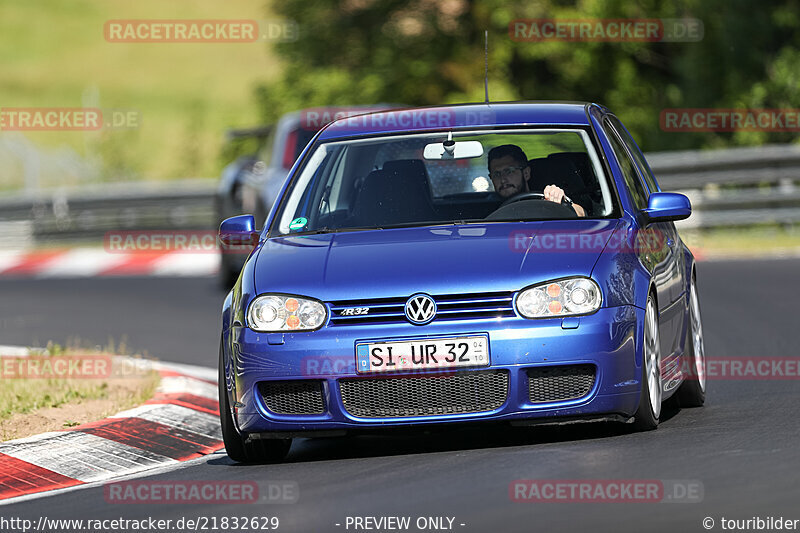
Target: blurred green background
pixel 418 52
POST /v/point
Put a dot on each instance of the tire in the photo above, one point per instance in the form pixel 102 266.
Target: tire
pixel 649 411
pixel 236 445
pixel 692 392
pixel 228 274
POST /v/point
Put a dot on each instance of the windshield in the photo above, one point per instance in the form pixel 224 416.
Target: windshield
pixel 387 181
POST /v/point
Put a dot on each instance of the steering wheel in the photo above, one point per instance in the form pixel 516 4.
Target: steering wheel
pixel 529 195
pixel 524 196
pixel 552 207
pixel 544 208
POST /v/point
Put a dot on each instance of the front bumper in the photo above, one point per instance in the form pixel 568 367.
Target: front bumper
pixel 606 339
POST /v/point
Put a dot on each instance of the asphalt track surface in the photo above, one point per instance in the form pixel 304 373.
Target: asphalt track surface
pixel 742 446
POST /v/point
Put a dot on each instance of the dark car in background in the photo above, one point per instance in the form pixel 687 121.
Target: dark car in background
pixel 251 182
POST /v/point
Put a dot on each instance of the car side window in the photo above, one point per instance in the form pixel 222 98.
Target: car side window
pixel 334 197
pixel 632 180
pixel 638 156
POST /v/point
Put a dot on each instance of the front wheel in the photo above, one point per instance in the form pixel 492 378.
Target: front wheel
pixel 692 392
pixel 236 446
pixel 228 273
pixel 649 411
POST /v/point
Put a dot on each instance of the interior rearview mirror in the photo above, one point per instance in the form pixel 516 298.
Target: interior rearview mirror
pixel 453 150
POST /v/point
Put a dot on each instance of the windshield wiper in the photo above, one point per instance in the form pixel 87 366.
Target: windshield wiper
pixel 468 221
pixel 326 229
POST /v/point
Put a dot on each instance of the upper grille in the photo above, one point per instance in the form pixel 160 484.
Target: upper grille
pixel 560 383
pixel 449 307
pixel 464 392
pixel 302 397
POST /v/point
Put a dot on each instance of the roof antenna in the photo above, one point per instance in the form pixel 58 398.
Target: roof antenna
pixel 486 64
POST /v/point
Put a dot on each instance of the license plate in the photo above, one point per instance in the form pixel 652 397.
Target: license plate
pixel 396 356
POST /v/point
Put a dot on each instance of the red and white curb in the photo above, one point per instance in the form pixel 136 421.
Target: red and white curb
pixel 97 262
pixel 179 423
pixel 93 262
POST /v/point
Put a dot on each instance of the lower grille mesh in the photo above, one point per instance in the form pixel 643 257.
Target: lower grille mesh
pixel 560 383
pixel 464 392
pixel 302 397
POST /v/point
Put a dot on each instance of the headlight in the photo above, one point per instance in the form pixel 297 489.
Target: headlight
pixel 573 296
pixel 278 312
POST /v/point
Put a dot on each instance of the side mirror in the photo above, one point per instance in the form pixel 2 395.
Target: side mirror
pixel 237 232
pixel 666 206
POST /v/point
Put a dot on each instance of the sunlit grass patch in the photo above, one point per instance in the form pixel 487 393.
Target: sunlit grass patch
pixel 750 241
pixel 61 387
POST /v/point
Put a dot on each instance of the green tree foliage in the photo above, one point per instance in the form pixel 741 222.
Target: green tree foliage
pixel 424 52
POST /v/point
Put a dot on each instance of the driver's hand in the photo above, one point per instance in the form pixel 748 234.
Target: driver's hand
pixel 554 193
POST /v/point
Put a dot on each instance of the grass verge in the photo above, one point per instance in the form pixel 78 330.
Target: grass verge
pixel 184 95
pixel 751 241
pixel 62 388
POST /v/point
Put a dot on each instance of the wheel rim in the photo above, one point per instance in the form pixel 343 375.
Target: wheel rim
pixel 652 358
pixel 697 339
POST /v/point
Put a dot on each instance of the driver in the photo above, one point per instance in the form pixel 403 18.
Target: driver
pixel 509 172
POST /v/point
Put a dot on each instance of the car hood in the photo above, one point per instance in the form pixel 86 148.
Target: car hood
pixel 448 259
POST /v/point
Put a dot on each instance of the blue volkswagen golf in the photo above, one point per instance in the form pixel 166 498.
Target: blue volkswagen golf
pixel 510 262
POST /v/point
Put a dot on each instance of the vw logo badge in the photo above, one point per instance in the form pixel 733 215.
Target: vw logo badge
pixel 420 309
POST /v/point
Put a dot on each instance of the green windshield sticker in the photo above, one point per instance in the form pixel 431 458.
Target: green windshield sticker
pixel 298 223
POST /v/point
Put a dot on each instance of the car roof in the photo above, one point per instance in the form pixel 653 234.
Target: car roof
pixel 459 116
